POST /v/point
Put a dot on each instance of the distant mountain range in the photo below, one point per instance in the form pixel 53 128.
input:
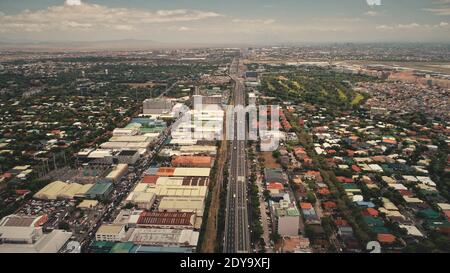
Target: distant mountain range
pixel 94 45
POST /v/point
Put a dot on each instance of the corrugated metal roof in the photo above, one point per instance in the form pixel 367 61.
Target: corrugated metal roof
pixel 166 218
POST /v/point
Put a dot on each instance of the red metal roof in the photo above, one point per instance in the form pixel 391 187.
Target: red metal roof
pixel 344 179
pixel 329 205
pixel 149 179
pixel 275 186
pixel 386 238
pixel 165 171
pixel 355 168
pixel 156 218
pixel 192 161
pixel 372 212
pixel 306 206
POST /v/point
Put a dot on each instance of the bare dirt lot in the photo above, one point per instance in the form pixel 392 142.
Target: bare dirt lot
pixel 270 161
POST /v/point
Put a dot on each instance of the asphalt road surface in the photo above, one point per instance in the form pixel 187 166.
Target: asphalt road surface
pixel 237 237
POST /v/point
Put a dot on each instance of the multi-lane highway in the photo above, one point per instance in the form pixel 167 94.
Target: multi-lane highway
pixel 237 237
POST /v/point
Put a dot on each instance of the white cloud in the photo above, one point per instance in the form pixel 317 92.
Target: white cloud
pixel 384 27
pixel 335 20
pixel 413 26
pixel 408 26
pixel 74 24
pixel 254 21
pixel 73 2
pixel 75 14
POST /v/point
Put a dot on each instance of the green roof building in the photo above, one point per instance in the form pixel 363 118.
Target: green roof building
pixel 429 214
pixel 373 221
pixel 100 190
pixel 122 247
pixel 101 246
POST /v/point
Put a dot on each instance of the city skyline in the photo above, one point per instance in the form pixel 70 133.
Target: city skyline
pixel 214 22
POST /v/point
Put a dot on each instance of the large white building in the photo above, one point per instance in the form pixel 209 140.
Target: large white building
pixel 31 239
pixel 125 132
pixel 117 172
pixel 164 237
pixel 200 124
pixel 182 204
pixel 157 106
pixel 110 232
pixel 62 190
pixel 143 200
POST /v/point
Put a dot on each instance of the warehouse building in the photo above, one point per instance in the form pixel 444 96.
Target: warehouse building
pixel 101 246
pixel 15 220
pixel 165 237
pixel 82 192
pixel 181 191
pixel 169 220
pixel 149 179
pixel 128 217
pixel 168 152
pixel 117 153
pixel 157 106
pixel 117 173
pixel 198 150
pixel 20 239
pixel 182 204
pixel 138 138
pixel 110 233
pixel 62 190
pixel 170 171
pixel 70 190
pixel 129 157
pixel 215 99
pixel 125 145
pixel 193 161
pixel 51 191
pixel 125 132
pixel 203 131
pixel 157 249
pixel 98 154
pixel 182 181
pixel 172 188
pixel 183 142
pixel 147 125
pixel 143 200
pixel 100 190
pixel 83 155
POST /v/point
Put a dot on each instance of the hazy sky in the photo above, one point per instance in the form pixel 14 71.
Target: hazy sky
pixel 226 21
